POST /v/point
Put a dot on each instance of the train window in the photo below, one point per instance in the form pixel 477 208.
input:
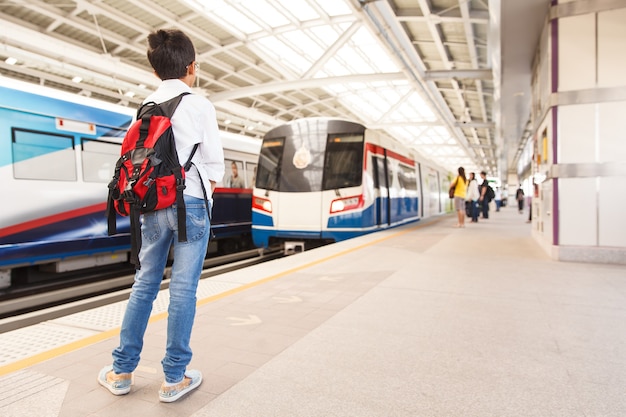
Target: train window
pixel 343 166
pixel 302 163
pixel 43 156
pixel 99 158
pixel 268 171
pixel 383 179
pixel 250 174
pixel 233 175
pixel 407 178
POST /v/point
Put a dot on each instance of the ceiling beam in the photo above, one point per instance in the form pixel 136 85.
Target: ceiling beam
pixel 474 74
pixel 477 125
pixel 334 48
pixel 437 16
pixel 276 87
pixel 429 123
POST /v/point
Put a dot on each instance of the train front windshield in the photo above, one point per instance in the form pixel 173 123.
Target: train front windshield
pixel 309 163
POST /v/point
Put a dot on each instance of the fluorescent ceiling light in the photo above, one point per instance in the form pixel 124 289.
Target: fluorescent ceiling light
pixel 11 61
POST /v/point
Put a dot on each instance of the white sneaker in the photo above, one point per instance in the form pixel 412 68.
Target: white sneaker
pixel 191 381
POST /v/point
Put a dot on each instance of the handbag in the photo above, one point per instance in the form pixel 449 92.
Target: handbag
pixel 451 190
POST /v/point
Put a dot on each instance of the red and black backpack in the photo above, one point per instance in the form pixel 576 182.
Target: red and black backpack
pixel 148 175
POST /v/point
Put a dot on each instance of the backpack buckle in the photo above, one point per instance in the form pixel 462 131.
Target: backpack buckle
pixel 129 197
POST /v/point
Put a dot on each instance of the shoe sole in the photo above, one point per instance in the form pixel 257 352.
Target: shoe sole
pixel 181 394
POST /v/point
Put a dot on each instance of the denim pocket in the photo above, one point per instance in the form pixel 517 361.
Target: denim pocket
pixel 150 228
pixel 197 222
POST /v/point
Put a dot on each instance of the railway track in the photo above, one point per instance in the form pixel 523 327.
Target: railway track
pixel 37 307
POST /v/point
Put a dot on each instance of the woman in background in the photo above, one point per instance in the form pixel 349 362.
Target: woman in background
pixel 460 189
pixel 472 197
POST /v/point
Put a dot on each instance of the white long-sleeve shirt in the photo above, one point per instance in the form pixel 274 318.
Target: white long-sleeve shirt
pixel 472 191
pixel 194 121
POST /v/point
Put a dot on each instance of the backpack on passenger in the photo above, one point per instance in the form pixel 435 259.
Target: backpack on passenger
pixel 148 175
pixel 490 193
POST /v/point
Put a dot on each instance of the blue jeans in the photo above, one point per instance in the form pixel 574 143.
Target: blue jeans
pixel 159 232
pixel 474 210
pixel 485 208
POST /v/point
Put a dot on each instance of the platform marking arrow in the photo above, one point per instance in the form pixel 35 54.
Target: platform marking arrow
pixel 245 321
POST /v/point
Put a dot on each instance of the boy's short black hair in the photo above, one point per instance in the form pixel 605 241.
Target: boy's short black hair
pixel 170 52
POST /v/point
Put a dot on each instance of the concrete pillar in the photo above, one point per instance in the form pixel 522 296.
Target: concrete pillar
pixel 579 144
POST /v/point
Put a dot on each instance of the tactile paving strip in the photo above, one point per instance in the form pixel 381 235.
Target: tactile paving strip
pixel 32 340
pixel 29 341
pixel 23 384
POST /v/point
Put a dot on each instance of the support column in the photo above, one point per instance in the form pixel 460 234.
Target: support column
pixel 579 147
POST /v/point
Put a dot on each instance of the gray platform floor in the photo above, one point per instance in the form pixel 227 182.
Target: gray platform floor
pixel 424 320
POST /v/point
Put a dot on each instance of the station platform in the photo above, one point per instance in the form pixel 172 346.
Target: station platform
pixel 422 320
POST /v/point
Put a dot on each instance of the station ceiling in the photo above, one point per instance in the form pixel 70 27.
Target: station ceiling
pixel 450 78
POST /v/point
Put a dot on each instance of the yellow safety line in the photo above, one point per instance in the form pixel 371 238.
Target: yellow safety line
pixel 90 340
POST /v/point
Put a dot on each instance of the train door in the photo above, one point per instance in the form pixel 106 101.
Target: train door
pixel 381 184
pixel 420 191
pixel 377 195
pixel 342 186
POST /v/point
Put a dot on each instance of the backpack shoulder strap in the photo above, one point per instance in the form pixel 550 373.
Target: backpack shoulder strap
pixel 169 107
pixel 187 167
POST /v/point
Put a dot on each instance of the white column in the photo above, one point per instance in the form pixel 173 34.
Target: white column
pixel 580 146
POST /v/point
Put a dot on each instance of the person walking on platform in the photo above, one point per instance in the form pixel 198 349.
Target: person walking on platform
pixel 483 200
pixel 460 189
pixel 472 197
pixel 519 196
pixel 498 198
pixel 172 56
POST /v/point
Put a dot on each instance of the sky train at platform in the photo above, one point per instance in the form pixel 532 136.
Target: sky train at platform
pixel 57 155
pixel 323 180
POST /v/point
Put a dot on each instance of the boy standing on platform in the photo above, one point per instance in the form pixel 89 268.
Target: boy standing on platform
pixel 172 56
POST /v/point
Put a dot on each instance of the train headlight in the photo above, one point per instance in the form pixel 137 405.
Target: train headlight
pixel 337 205
pixel 261 204
pixel 344 204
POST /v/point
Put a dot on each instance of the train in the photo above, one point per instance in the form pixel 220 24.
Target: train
pixel 57 154
pixel 323 180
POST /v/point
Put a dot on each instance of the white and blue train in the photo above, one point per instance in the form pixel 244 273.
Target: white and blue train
pixel 323 180
pixel 57 154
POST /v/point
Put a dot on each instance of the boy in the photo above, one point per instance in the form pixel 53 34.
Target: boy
pixel 172 56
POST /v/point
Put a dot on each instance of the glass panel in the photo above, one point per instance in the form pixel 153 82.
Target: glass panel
pixel 233 176
pixel 407 178
pixel 303 162
pixel 250 174
pixel 383 182
pixel 99 159
pixel 43 156
pixel 343 166
pixel 269 164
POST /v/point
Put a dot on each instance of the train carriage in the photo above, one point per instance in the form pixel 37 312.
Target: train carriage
pixel 57 155
pixel 323 180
